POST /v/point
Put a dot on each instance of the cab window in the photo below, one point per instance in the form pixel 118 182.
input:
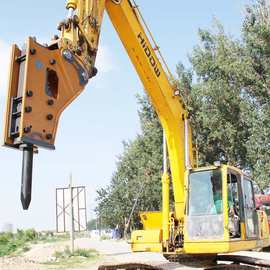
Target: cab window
pixel 205 193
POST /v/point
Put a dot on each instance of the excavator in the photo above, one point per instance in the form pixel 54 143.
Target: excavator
pixel 214 208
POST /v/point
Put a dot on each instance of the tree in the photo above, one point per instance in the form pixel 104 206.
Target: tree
pixel 229 102
pixel 139 166
pixel 256 32
pixel 216 99
pixel 92 225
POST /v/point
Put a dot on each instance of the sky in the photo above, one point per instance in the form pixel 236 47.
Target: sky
pixel 92 129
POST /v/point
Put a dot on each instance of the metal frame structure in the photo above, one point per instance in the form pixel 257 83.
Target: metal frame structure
pixel 62 210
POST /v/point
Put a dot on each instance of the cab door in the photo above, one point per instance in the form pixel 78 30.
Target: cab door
pixel 251 217
pixel 235 204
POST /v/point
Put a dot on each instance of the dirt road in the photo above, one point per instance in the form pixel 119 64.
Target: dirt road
pixel 111 252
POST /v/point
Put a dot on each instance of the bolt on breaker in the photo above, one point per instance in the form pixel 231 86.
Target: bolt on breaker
pixel 42 83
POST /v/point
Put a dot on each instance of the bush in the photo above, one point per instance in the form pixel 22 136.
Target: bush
pixel 8 248
pixel 87 253
pixel 10 242
pixel 105 237
pixel 20 234
pixel 80 252
pixel 30 234
pixel 5 238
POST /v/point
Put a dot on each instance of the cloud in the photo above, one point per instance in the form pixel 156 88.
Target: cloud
pixel 4 66
pixel 105 62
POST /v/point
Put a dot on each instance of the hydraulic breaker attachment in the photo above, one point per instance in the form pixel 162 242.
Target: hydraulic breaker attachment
pixel 42 84
pixel 43 81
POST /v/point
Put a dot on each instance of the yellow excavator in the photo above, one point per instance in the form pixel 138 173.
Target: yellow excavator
pixel 214 207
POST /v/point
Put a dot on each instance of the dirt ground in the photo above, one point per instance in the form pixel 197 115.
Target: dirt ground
pixel 111 252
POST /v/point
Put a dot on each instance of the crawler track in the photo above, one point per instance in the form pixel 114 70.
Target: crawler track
pixel 233 267
pixel 237 263
pixel 129 266
pixel 250 261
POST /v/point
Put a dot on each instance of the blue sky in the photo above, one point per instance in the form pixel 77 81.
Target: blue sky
pixel 92 129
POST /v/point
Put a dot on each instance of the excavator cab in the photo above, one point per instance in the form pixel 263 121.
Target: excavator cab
pixel 205 217
pixel 220 217
pixel 221 214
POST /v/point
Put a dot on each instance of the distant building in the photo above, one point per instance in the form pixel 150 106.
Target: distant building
pixel 7 227
pixel 97 234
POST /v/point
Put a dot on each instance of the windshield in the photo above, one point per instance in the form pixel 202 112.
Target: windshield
pixel 205 193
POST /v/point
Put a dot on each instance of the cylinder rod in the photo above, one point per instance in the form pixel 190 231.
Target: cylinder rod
pixel 165 196
pixel 187 155
pixel 27 168
pixel 165 165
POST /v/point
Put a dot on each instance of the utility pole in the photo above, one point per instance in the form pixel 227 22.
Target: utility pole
pixel 127 224
pixel 71 216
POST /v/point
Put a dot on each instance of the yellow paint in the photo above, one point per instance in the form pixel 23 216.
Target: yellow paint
pixel 165 207
pixel 146 240
pixel 146 247
pixel 151 220
pixel 247 245
pixel 210 247
pixel 264 227
pixel 72 4
pixel 225 203
pixel 243 231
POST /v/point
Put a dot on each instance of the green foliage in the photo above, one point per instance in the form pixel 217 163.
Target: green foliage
pixel 19 241
pixel 10 242
pixel 96 224
pixel 30 234
pixel 230 101
pixel 86 253
pixel 91 224
pixel 5 238
pixel 104 237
